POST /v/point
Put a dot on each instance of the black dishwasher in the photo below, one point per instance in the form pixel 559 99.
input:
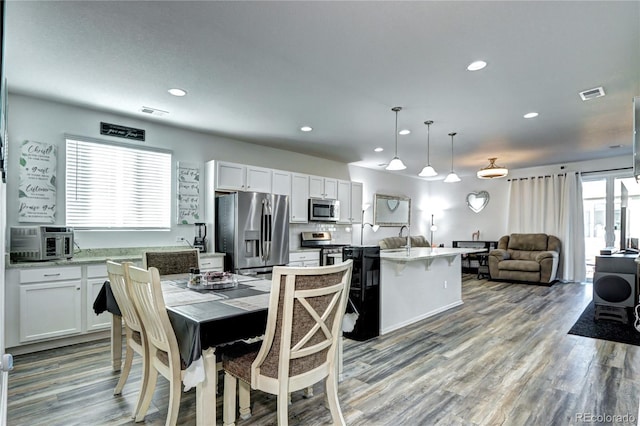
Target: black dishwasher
pixel 365 290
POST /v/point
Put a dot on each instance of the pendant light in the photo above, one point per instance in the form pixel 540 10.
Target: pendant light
pixel 428 171
pixel 396 163
pixel 452 176
pixel 492 170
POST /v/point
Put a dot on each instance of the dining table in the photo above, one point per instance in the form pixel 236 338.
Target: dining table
pixel 203 320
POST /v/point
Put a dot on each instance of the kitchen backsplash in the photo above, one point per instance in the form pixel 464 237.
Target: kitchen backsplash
pixel 340 234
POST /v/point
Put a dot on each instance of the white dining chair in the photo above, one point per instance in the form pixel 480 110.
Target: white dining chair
pixel 306 308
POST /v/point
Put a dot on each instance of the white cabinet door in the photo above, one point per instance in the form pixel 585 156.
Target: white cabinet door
pixel 230 176
pixel 258 179
pixel 299 201
pixel 331 189
pixel 316 187
pixel 320 187
pixel 281 183
pixel 356 202
pixel 344 197
pixel 96 276
pixel 96 322
pixel 50 310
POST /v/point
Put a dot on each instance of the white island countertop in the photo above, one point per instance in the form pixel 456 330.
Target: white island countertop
pixel 419 253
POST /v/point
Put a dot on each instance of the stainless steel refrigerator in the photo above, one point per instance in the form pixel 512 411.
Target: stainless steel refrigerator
pixel 252 229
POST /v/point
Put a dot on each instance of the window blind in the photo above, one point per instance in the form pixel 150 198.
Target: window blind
pixel 113 186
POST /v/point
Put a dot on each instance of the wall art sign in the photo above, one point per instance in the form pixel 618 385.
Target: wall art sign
pixel 188 193
pixel 121 131
pixel 37 182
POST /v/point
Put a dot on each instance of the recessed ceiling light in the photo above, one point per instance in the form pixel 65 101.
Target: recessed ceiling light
pixel 477 65
pixel 530 115
pixel 404 132
pixel 379 149
pixel 177 92
pixel 306 128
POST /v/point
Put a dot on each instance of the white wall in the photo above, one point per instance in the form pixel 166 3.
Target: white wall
pixel 446 201
pixel 45 121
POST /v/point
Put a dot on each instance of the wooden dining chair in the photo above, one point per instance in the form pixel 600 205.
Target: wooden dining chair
pixel 306 308
pixel 134 331
pixel 171 262
pixel 164 355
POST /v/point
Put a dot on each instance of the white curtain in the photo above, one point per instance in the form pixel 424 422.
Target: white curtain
pixel 552 205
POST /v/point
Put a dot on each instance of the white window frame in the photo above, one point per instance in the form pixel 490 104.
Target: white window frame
pixel 119 186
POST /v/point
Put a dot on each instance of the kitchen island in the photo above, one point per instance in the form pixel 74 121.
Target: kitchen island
pixel 418 283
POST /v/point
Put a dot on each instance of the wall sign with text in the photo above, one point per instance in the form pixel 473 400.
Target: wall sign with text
pixel 121 131
pixel 188 193
pixel 37 186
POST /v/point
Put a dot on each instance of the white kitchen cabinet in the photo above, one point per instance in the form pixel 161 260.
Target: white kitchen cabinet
pixel 230 176
pixel 350 197
pixel 281 182
pixel 50 303
pixel 356 202
pixel 240 177
pixel 344 197
pixel 321 187
pixel 215 264
pixel 96 276
pixel 258 179
pixel 304 258
pixel 299 200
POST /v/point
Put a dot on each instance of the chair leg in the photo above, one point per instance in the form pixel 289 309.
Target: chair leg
pixel 148 394
pixel 124 372
pixel 229 400
pixel 283 409
pixel 244 395
pixel 174 401
pixel 331 388
pixel 143 385
pixel 308 392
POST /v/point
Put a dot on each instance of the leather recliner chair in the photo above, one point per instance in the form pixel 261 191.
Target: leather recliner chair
pixel 526 257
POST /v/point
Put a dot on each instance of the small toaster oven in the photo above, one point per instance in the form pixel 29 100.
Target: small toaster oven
pixel 38 243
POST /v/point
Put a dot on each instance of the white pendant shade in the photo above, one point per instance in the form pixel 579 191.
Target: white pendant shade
pixel 492 171
pixel 452 178
pixel 428 171
pixel 396 164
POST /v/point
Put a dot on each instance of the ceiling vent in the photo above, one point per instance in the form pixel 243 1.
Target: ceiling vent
pixel 587 95
pixel 153 111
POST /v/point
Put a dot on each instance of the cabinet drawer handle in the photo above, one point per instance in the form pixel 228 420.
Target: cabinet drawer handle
pixel 52 275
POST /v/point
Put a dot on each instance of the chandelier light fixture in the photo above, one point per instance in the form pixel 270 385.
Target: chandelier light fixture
pixel 492 171
pixel 396 163
pixel 428 171
pixel 452 176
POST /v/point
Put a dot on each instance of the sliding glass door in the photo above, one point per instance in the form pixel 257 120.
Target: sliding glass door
pixel 610 203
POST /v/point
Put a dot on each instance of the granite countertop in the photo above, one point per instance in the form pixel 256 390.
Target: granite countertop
pixel 418 253
pixel 303 249
pixel 100 255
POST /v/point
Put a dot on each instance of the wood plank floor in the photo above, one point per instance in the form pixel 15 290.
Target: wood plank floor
pixel 502 358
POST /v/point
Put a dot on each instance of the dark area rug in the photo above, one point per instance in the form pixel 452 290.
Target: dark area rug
pixel 604 329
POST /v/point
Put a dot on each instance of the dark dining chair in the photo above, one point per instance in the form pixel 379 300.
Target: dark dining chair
pixel 171 262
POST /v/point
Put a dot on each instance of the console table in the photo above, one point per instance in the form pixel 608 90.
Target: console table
pixel 471 264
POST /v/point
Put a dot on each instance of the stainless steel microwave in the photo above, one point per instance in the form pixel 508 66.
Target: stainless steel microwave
pixel 321 210
pixel 37 243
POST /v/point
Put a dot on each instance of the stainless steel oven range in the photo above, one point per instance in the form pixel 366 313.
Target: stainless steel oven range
pixel 321 240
